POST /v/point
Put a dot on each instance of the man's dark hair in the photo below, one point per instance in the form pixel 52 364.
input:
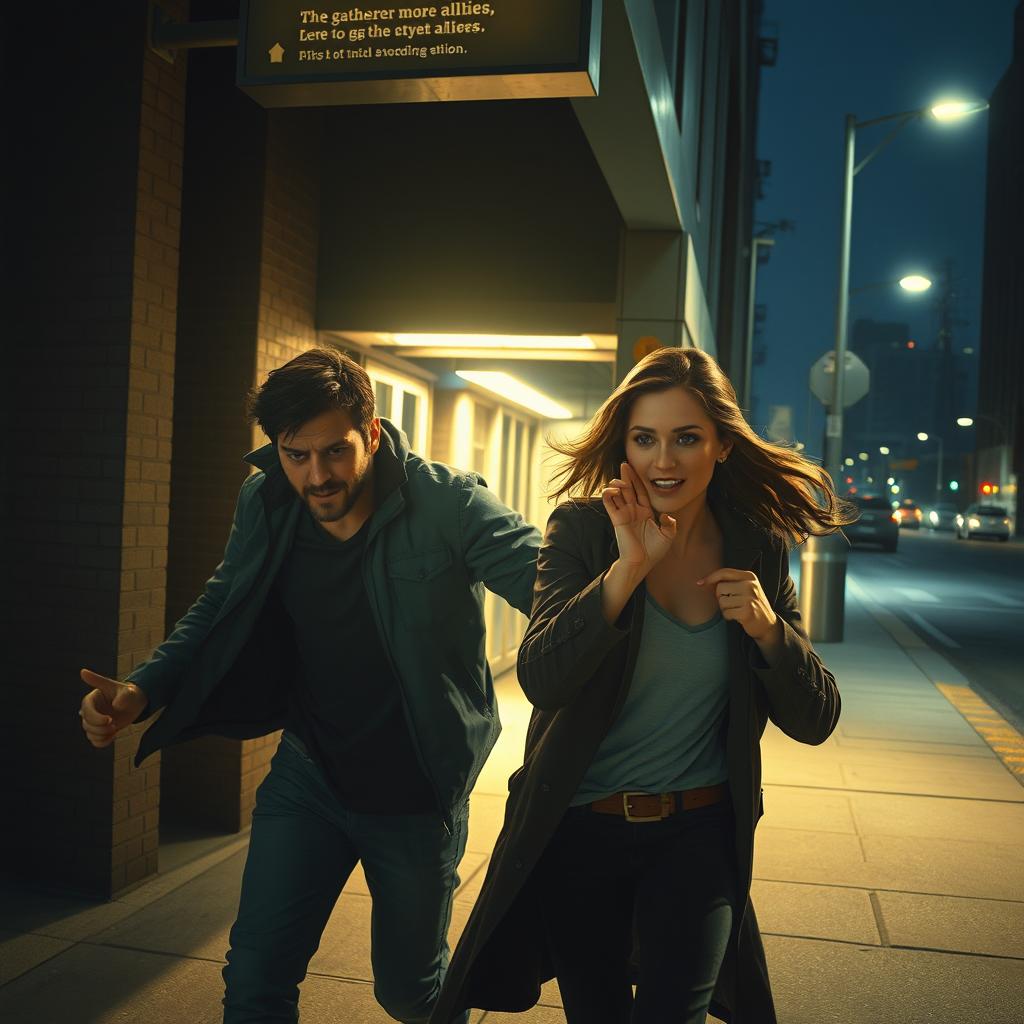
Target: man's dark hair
pixel 315 382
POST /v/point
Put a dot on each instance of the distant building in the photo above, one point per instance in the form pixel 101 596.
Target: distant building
pixel 914 389
pixel 1000 426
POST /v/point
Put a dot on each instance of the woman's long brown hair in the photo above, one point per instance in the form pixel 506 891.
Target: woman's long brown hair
pixel 771 484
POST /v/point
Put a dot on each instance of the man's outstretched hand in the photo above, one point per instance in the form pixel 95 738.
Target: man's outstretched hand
pixel 108 707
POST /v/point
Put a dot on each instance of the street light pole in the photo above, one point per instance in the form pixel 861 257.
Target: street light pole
pixel 834 420
pixel 823 560
pixel 748 360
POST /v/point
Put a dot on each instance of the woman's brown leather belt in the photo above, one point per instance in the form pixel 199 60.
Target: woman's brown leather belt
pixel 657 806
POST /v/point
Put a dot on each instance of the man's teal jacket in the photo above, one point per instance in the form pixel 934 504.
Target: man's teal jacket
pixel 436 539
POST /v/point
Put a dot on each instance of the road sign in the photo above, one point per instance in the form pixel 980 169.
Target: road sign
pixel 856 379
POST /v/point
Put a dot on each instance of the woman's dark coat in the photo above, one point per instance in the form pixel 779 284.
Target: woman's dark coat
pixel 576 670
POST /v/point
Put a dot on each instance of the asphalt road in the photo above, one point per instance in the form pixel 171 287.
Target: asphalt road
pixel 963 598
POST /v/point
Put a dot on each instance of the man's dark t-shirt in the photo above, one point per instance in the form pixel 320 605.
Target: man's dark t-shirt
pixel 346 703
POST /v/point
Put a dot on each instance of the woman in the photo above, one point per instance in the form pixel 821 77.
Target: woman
pixel 664 634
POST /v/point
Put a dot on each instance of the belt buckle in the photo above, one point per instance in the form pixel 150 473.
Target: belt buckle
pixel 665 801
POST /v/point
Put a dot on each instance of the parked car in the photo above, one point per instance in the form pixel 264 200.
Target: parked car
pixel 941 516
pixel 877 523
pixel 983 521
pixel 909 515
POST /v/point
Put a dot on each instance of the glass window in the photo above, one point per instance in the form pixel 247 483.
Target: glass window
pixel 410 408
pixel 517 467
pixel 507 469
pixel 482 420
pixel 382 394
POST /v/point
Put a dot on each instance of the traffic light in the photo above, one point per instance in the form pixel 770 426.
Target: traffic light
pixel 988 488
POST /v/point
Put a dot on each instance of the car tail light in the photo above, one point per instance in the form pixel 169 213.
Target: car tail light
pixel 917 513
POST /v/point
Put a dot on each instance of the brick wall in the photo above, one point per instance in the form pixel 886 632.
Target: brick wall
pixel 250 240
pixel 93 221
pixel 287 307
pixel 215 365
pixel 148 436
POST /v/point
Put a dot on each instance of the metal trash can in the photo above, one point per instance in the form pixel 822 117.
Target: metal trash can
pixel 823 587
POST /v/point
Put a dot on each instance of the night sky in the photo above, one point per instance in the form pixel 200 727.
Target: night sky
pixel 921 200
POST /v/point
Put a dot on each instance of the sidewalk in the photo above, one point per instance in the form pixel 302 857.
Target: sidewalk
pixel 888 880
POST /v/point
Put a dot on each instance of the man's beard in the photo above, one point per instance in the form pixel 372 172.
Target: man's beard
pixel 325 513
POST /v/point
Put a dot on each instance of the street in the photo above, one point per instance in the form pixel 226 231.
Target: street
pixel 963 598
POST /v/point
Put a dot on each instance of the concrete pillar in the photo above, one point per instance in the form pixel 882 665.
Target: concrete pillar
pixel 652 295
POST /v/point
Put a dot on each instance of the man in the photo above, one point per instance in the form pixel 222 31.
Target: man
pixel 348 609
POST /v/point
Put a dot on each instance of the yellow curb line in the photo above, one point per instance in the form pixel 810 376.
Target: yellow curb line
pixel 1005 742
pixel 999 735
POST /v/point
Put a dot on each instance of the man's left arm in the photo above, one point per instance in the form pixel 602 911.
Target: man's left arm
pixel 499 548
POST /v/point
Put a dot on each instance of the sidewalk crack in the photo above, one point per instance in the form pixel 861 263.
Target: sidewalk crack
pixel 876 908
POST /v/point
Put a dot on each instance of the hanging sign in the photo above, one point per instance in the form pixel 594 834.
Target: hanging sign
pixel 294 54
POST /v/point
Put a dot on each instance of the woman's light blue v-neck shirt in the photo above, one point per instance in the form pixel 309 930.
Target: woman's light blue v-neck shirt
pixel 670 734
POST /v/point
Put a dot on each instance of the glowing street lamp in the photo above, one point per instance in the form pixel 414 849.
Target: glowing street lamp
pixel 915 283
pixel 954 110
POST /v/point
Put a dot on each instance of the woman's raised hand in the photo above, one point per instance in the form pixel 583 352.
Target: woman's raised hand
pixel 642 541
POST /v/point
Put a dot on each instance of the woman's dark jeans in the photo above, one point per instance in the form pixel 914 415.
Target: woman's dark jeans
pixel 672 883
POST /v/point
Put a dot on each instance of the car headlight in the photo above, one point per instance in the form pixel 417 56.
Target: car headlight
pixel 933 516
pixel 973 523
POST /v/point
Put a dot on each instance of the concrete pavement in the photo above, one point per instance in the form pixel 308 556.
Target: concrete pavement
pixel 889 875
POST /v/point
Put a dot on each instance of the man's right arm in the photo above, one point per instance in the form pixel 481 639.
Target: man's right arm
pixel 160 676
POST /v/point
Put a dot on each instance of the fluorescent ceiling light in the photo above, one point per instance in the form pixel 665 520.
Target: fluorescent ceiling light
pixel 516 391
pixel 565 341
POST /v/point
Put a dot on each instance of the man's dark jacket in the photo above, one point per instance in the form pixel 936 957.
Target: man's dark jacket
pixel 436 538
pixel 576 669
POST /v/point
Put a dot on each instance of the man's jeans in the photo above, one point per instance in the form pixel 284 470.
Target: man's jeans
pixel 304 846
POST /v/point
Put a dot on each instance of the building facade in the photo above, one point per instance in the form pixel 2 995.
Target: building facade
pixel 999 423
